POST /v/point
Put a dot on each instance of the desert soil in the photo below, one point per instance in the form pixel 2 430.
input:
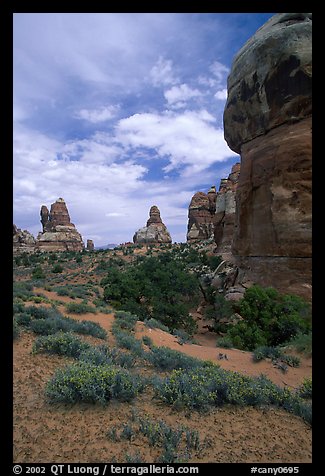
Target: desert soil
pixel 45 433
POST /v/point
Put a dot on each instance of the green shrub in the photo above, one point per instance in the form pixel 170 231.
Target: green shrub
pixel 18 307
pixel 291 360
pixel 301 343
pixel 22 290
pixel 91 328
pixel 147 341
pixel 154 324
pixel 127 341
pixel 212 386
pixel 23 319
pixel 79 308
pixel 125 320
pixel 43 312
pixel 163 358
pixel 57 268
pixel 270 319
pixel 84 382
pixel 61 343
pixel 225 343
pixel 306 389
pixel 266 352
pixel 38 273
pixel 276 354
pixel 183 336
pixel 50 326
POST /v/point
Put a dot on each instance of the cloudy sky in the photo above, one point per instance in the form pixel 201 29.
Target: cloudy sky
pixel 116 112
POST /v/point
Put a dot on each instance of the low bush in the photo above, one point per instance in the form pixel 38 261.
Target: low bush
pixel 154 324
pixel 18 307
pixel 183 336
pixel 163 358
pixel 79 308
pixel 43 312
pixel 61 343
pixel 225 343
pixel 301 343
pixel 57 268
pixel 212 386
pixel 85 382
pixel 275 354
pixel 128 341
pixel 125 320
pixel 22 290
pixel 266 352
pixel 23 319
pixel 306 389
pixel 91 328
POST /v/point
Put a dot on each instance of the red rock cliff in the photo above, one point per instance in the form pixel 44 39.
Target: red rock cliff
pixel 267 120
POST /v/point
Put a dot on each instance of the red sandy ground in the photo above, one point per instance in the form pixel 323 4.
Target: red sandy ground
pixel 78 433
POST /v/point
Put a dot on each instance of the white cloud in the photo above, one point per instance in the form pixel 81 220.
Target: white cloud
pixel 179 95
pixel 162 73
pixel 185 139
pixel 102 114
pixel 221 94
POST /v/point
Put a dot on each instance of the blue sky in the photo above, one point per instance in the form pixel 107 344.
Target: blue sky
pixel 116 112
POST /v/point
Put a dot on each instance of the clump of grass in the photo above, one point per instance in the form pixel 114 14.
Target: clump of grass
pixel 84 382
pixel 176 443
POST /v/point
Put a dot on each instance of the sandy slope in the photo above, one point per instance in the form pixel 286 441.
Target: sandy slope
pixel 64 433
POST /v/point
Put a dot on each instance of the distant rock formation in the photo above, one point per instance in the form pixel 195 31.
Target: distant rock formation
pixel 212 214
pixel 267 120
pixel 23 241
pixel 59 234
pixel 155 232
pixel 224 219
pixel 201 216
pixel 90 245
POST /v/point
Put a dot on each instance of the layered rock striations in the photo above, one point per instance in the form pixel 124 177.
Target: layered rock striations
pixel 201 215
pixel 267 120
pixel 155 232
pixel 59 234
pixel 23 241
pixel 224 220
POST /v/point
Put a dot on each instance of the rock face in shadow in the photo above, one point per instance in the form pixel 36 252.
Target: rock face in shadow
pixel 59 234
pixel 267 120
pixel 224 220
pixel 201 216
pixel 23 241
pixel 155 232
pixel 90 245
